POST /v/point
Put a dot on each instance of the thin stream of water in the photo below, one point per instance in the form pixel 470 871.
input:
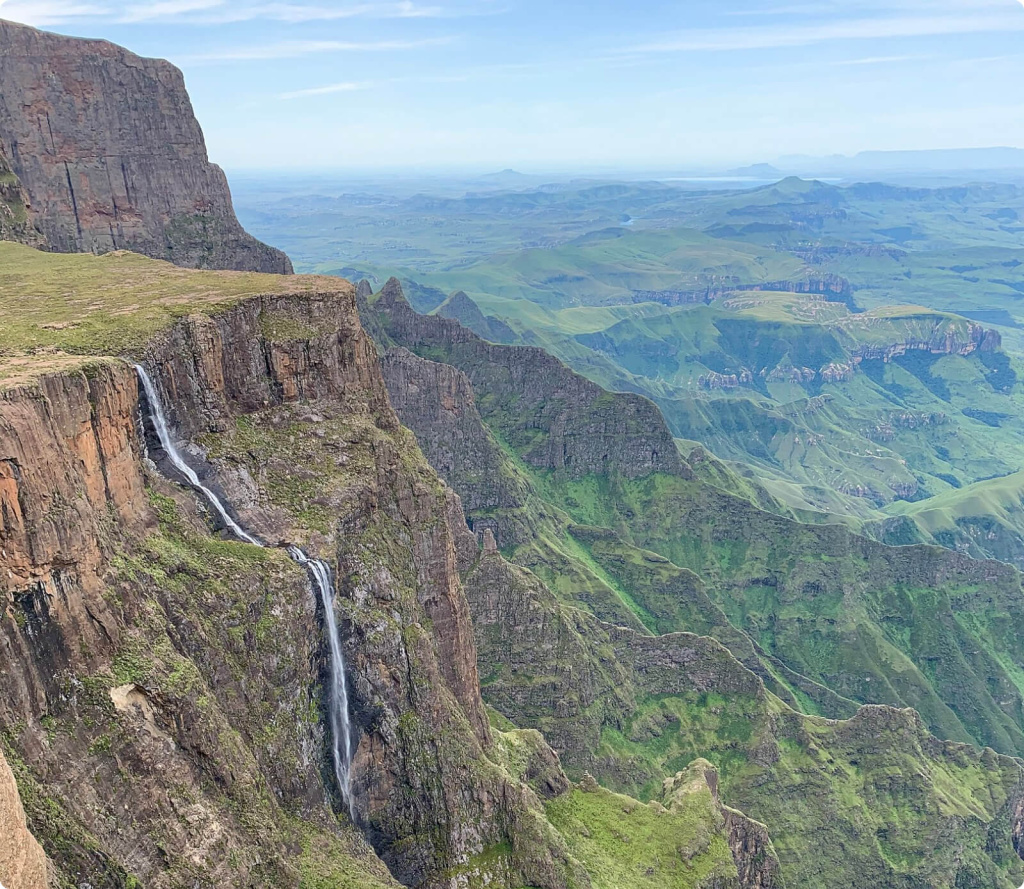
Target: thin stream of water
pixel 319 572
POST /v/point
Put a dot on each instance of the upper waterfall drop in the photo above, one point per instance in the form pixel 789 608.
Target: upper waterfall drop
pixel 320 575
pixel 163 433
pixel 341 725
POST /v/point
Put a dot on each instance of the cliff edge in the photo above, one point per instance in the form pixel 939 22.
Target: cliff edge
pixel 105 149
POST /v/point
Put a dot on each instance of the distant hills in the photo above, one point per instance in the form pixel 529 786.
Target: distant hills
pixel 944 160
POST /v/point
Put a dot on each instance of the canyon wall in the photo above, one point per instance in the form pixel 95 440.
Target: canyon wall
pixel 22 861
pixel 162 689
pixel 109 155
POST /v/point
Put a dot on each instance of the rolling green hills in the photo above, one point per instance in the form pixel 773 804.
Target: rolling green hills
pixel 741 314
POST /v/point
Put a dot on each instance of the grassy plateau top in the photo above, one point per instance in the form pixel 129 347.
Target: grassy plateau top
pixel 60 308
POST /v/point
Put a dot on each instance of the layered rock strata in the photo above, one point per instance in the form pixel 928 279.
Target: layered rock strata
pixel 22 861
pixel 110 156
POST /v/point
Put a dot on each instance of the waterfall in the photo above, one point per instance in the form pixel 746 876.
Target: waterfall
pixel 163 433
pixel 319 573
pixel 341 726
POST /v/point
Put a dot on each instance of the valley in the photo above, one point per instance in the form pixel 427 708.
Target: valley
pixel 579 535
pixel 837 345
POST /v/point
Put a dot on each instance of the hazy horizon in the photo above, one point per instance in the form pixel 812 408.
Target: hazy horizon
pixel 489 85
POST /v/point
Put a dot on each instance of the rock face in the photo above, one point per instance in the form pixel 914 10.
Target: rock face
pixel 14 215
pixel 181 676
pixel 22 862
pixel 574 426
pixel 436 401
pixel 110 156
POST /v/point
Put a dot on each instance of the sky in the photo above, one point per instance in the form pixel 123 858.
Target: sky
pixel 542 85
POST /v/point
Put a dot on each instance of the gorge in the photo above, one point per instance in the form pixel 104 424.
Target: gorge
pixel 320 577
pixel 302 588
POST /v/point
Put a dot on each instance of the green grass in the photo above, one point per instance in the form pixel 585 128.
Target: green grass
pixel 113 304
pixel 630 845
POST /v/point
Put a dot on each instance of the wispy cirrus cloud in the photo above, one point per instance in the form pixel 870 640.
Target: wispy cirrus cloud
pixel 329 89
pixel 292 49
pixel 214 12
pixel 794 35
pixel 40 13
pixel 881 60
pixel 357 86
pixel 296 13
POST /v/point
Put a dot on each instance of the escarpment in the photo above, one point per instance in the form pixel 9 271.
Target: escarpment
pixel 181 676
pixel 575 427
pixel 22 860
pixel 109 156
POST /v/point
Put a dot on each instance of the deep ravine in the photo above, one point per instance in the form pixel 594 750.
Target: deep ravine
pixel 320 575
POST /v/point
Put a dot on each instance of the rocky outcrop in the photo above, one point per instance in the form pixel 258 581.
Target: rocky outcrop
pixel 878 338
pixel 757 866
pixel 459 307
pixel 181 676
pixel 714 380
pixel 110 156
pixel 22 861
pixel 832 287
pixel 562 421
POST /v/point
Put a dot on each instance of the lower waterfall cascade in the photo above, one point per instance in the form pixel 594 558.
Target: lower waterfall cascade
pixel 320 575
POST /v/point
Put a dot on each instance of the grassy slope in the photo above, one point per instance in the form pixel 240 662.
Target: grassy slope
pixel 112 304
pixel 915 627
pixel 861 802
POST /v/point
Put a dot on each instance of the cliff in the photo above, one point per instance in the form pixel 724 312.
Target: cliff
pixel 22 861
pixel 109 156
pixel 164 686
pixel 563 422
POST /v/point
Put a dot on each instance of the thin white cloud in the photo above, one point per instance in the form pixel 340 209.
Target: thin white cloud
pixel 791 35
pixel 350 87
pixel 212 12
pixel 292 49
pixel 147 12
pixel 40 13
pixel 355 86
pixel 882 60
pixel 294 13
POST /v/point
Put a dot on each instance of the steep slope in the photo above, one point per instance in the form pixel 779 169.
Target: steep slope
pixel 22 861
pixel 164 688
pixel 634 709
pixel 856 803
pixel 836 617
pixel 984 520
pixel 110 156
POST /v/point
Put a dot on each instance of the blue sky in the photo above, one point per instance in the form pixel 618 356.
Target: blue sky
pixel 562 84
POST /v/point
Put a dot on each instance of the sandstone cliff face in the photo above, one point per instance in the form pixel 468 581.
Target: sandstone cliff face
pixel 630 708
pixel 182 676
pixel 22 861
pixel 561 421
pixel 127 695
pixel 110 155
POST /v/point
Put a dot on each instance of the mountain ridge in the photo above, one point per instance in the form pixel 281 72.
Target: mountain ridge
pixel 108 155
